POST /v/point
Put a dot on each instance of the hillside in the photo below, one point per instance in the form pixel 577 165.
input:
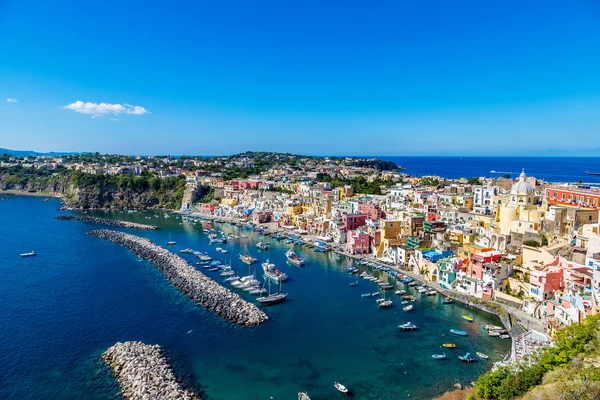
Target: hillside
pixel 568 371
pixel 87 191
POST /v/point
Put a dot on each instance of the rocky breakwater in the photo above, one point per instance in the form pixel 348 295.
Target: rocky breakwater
pixel 105 221
pixel 188 280
pixel 144 373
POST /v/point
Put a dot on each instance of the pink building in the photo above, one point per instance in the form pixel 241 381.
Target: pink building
pixel 475 267
pixel 372 211
pixel 544 281
pixel 353 221
pixel 358 242
pixel 259 217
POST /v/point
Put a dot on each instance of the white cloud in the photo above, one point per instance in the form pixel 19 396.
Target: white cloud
pixel 11 100
pixel 100 109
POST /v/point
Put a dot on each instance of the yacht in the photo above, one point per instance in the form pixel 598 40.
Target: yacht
pixel 409 326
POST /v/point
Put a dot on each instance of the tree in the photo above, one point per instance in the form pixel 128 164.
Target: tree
pixel 474 181
pixel 506 176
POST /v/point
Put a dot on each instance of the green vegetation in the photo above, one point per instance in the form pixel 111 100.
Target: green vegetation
pixel 207 197
pixel 360 184
pixel 474 181
pixel 428 181
pixel 532 243
pixel 566 371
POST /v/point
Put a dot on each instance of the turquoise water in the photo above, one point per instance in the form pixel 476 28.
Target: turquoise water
pixel 62 309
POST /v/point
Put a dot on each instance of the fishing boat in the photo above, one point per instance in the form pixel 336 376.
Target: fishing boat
pixel 481 355
pixel 467 358
pixel 294 258
pixel 262 246
pixel 30 254
pixel 247 259
pixel 340 387
pixel 467 318
pixel 273 273
pixel 408 308
pixel 272 298
pixel 447 300
pixel 354 283
pixel 400 292
pixel 449 345
pixel 458 332
pixel 171 243
pixel 409 326
pixel 439 356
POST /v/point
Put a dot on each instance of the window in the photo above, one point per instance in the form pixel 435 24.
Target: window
pixel 564 196
pixel 570 197
pixel 576 198
pixel 555 195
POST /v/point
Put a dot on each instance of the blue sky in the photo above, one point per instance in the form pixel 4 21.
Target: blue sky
pixel 336 77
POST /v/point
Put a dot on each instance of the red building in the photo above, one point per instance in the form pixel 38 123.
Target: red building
pixel 353 221
pixel 475 267
pixel 209 208
pixel 567 196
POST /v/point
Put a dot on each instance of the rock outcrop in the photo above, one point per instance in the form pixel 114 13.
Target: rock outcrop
pixel 144 373
pixel 106 221
pixel 189 280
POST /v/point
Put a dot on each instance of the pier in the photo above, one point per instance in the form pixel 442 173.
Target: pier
pixel 187 279
pixel 143 372
pixel 106 221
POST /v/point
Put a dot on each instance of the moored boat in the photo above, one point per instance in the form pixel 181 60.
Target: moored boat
pixel 482 355
pixel 262 246
pixel 408 326
pixel 247 259
pixel 408 308
pixel 467 358
pixel 467 318
pixel 30 254
pixel 439 356
pixel 449 345
pixel 273 273
pixel 171 243
pixel 340 387
pixel 447 300
pixel 458 332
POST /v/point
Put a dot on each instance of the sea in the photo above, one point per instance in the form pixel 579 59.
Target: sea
pixel 61 309
pixel 549 169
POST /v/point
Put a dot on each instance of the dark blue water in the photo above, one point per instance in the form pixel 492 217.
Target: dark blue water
pixel 550 169
pixel 60 310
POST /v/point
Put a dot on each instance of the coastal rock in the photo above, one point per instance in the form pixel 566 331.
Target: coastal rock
pixel 143 372
pixel 188 280
pixel 106 221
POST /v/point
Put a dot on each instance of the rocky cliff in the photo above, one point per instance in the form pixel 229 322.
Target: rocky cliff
pixel 84 191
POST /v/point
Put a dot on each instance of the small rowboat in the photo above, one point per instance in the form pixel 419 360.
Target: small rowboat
pixel 481 355
pixel 467 318
pixel 340 387
pixel 375 294
pixel 467 358
pixel 366 295
pixel 447 300
pixel 439 356
pixel 449 345
pixel 458 332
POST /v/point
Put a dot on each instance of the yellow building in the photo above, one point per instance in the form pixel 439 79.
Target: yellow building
pixel 294 208
pixel 229 202
pixel 519 214
pixel 390 235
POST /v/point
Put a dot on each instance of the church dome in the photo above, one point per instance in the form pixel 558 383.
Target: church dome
pixel 522 188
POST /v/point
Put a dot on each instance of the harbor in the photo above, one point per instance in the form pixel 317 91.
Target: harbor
pixel 324 332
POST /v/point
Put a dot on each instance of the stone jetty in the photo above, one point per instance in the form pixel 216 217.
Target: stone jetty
pixel 143 372
pixel 188 279
pixel 106 221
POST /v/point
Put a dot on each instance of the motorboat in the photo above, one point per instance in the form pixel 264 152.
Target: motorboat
pixel 385 304
pixel 439 356
pixel 467 318
pixel 431 292
pixel 247 259
pixel 494 333
pixel 490 327
pixel 458 332
pixel 505 336
pixel 273 273
pixel 262 246
pixel 187 251
pixel 447 300
pixel 467 358
pixel 408 326
pixel 366 295
pixel 340 387
pixel 30 254
pixel 400 292
pixel 408 308
pixel 481 355
pixel 354 283
pixel 449 345
pixel 171 243
pixel 294 258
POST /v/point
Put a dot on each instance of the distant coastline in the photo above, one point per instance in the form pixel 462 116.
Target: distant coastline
pixel 31 194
